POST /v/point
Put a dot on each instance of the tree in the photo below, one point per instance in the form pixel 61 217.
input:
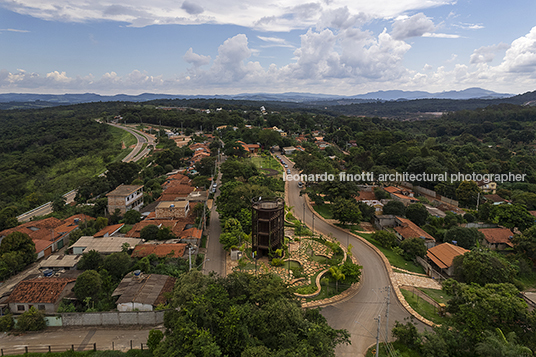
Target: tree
pixel 132 217
pixel 395 208
pixel 155 336
pixel 117 264
pixel 413 247
pixel 366 211
pixel 58 204
pixel 498 345
pixel 380 193
pixel 406 334
pixel 385 238
pixel 122 173
pixel 417 213
pixel 31 320
pixel 337 274
pixel 476 308
pixel 20 243
pixel 91 260
pixel 526 243
pixel 346 210
pixel 165 233
pixel 243 315
pixel 149 232
pixel 7 323
pixel 483 267
pixel 88 284
pixel 467 193
pixel 511 216
pixel 464 237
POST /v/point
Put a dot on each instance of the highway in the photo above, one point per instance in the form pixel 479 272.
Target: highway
pixel 357 314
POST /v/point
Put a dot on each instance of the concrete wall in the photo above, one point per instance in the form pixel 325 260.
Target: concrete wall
pixel 449 201
pixel 112 318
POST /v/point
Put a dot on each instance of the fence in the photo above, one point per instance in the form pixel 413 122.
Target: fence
pixel 430 271
pixel 112 318
pixel 62 348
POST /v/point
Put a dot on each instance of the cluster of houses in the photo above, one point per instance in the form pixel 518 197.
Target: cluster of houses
pixel 137 291
pixel 439 256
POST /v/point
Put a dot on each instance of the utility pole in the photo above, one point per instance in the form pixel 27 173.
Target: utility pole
pixel 190 258
pixel 378 336
pixel 387 314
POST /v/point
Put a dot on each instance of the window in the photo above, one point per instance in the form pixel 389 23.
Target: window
pixel 20 308
pixel 40 307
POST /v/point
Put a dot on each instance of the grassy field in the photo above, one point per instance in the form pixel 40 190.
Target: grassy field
pixel 324 210
pixel 438 295
pixel 267 162
pixel 424 308
pixel 395 259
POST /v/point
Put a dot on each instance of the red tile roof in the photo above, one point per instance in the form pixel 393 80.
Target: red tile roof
pixel 365 196
pixel 192 232
pixel 498 235
pixel 408 230
pixel 108 230
pixel 443 254
pixel 176 250
pixel 44 290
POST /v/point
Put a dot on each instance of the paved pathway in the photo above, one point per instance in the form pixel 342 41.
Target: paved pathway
pixel 416 281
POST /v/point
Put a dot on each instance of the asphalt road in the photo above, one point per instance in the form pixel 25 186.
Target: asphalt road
pixel 215 257
pixel 60 338
pixel 357 314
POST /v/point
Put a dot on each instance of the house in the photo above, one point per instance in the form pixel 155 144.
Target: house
pixel 60 262
pixel 49 234
pixel 109 230
pixel 487 186
pixel 442 255
pixel 124 198
pixel 191 235
pixel 174 250
pixel 495 199
pixel 172 210
pixel 288 150
pixel 384 221
pixel 497 238
pixel 140 292
pixel 107 245
pixel 45 294
pixel 400 194
pixel 406 229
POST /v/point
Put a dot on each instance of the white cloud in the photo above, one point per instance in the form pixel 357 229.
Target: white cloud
pixel 269 15
pixel 274 42
pixel 521 56
pixel 195 59
pixel 414 26
pixel 486 54
pixel 14 30
pixel 440 35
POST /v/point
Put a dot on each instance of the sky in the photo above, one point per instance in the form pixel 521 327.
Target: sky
pixel 341 47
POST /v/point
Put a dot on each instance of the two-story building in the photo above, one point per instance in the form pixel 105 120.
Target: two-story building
pixel 125 198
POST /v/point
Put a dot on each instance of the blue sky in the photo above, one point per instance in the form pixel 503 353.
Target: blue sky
pixel 341 47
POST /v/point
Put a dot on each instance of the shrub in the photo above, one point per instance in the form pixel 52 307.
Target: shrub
pixel 386 239
pixel 155 336
pixel 6 323
pixel 276 262
pixel 31 320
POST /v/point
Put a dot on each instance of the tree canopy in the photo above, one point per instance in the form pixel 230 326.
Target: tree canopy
pixel 243 315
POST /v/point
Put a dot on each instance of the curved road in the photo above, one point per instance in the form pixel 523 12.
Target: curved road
pixel 135 155
pixel 358 313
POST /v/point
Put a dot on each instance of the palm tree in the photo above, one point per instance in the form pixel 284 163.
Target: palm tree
pixel 337 274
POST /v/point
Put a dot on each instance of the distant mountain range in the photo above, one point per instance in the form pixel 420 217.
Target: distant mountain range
pixel 391 95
